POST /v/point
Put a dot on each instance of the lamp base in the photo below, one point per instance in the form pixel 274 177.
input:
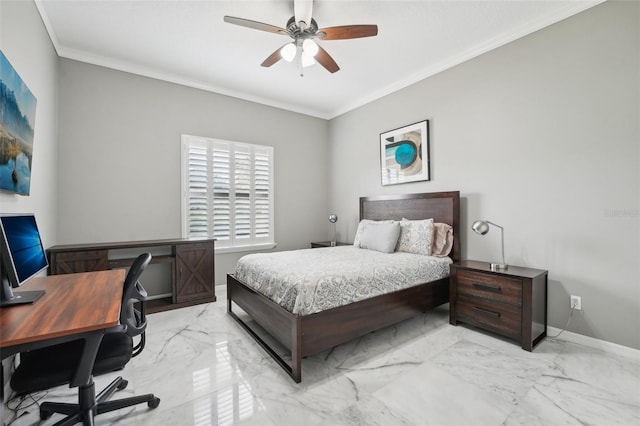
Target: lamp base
pixel 498 266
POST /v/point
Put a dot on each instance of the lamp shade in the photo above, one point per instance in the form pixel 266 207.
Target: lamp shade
pixel 288 52
pixel 310 47
pixel 480 227
pixel 306 59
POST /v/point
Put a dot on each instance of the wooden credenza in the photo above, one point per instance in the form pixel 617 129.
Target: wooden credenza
pixel 191 260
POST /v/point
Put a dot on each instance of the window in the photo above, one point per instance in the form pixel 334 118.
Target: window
pixel 227 192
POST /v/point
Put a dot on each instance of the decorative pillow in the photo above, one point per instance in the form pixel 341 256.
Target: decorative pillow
pixel 362 224
pixel 442 239
pixel 415 236
pixel 380 236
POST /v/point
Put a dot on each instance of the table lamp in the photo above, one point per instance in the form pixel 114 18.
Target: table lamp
pixel 333 218
pixel 481 227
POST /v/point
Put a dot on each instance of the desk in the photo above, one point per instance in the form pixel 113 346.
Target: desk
pixel 74 306
pixel 191 261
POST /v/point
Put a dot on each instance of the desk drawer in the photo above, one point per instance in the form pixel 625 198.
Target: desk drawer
pixel 489 286
pixel 502 318
pixel 78 261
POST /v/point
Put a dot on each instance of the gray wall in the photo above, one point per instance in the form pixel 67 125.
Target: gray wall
pixel 119 157
pixel 25 43
pixel 540 136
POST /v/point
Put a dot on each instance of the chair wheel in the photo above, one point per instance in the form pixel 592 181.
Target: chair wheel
pixel 154 403
pixel 123 384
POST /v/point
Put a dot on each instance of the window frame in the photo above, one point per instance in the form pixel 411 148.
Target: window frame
pixel 234 243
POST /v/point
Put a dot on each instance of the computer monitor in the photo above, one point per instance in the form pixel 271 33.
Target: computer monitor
pixel 23 257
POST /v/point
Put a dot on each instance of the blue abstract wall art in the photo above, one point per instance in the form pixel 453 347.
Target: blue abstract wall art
pixel 404 154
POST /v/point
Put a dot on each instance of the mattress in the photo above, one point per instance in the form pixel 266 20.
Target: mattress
pixel 313 280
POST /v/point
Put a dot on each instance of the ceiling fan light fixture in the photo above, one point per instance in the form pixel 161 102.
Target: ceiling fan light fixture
pixel 288 52
pixel 303 30
pixel 310 47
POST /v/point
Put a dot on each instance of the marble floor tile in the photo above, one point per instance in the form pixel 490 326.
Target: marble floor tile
pixel 431 396
pixel 583 387
pixel 368 411
pixel 423 371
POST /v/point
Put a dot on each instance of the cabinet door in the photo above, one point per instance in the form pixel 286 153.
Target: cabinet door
pixel 78 261
pixel 194 272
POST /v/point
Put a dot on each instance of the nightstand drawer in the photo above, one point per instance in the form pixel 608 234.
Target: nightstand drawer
pixel 502 318
pixel 491 287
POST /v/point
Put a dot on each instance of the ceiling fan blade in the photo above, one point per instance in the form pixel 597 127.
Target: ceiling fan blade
pixel 273 58
pixel 324 59
pixel 255 25
pixel 348 31
pixel 302 10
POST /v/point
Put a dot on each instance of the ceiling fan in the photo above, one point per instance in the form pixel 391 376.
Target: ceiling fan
pixel 303 29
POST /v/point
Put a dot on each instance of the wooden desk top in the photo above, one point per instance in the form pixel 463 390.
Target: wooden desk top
pixel 72 304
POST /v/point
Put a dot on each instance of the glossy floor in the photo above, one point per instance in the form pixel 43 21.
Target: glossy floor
pixel 207 371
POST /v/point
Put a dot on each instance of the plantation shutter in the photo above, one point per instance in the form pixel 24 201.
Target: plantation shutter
pixel 262 193
pixel 227 191
pixel 221 215
pixel 243 189
pixel 198 182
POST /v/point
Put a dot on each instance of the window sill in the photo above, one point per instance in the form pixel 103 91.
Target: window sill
pixel 238 249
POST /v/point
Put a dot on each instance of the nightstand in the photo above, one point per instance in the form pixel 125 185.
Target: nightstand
pixel 510 302
pixel 327 244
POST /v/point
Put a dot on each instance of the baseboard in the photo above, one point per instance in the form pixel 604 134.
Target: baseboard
pixel 592 342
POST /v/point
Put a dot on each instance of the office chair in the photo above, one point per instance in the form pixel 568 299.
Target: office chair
pixel 56 365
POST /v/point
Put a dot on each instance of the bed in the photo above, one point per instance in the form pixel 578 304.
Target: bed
pixel 310 331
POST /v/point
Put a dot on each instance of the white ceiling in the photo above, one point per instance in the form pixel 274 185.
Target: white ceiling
pixel 187 42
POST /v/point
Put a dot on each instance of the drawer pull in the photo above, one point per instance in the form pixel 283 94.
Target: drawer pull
pixel 487 287
pixel 487 312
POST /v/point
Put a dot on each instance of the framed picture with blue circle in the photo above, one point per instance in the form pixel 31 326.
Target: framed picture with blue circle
pixel 404 154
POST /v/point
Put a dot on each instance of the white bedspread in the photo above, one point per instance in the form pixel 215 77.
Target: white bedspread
pixel 314 280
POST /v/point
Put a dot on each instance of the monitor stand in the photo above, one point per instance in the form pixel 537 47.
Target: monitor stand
pixel 9 298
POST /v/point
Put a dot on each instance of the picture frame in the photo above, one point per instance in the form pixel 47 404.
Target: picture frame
pixel 404 154
pixel 17 123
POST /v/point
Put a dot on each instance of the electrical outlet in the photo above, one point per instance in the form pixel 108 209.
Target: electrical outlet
pixel 576 302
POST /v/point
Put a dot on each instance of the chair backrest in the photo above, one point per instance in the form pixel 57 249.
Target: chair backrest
pixel 133 292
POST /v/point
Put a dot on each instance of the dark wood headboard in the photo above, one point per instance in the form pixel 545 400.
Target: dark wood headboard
pixel 441 206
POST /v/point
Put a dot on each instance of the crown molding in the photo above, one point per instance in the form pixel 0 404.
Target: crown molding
pixel 131 68
pixel 570 9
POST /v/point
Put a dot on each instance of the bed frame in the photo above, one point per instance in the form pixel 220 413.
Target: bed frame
pixel 305 335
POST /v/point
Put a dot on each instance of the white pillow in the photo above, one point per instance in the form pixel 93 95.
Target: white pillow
pixel 361 225
pixel 416 236
pixel 380 236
